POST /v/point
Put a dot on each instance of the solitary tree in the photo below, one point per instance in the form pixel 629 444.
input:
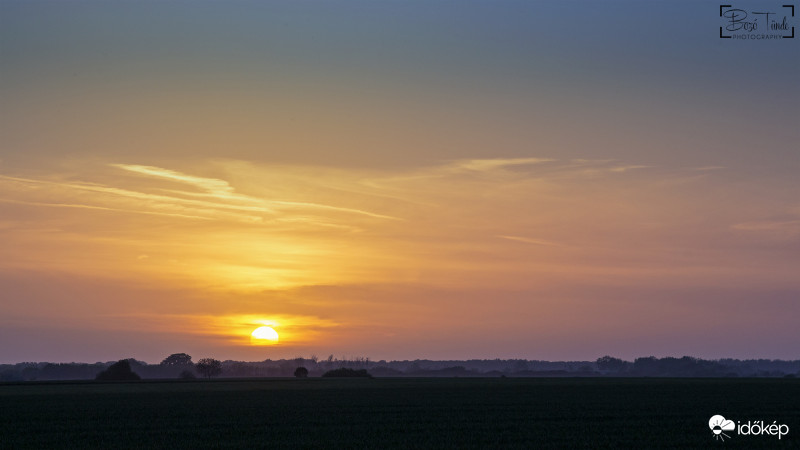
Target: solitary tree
pixel 177 359
pixel 301 372
pixel 209 367
pixel 119 371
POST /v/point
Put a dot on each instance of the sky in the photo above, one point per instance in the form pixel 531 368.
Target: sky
pixel 396 179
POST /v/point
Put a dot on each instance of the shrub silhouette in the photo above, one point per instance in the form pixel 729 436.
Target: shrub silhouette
pixel 119 371
pixel 187 375
pixel 344 372
pixel 301 372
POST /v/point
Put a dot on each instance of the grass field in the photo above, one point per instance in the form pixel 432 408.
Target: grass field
pixel 395 413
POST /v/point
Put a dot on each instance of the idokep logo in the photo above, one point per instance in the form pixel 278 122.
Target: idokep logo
pixel 719 425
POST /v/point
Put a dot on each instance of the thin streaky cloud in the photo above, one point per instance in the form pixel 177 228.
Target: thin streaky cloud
pixel 101 208
pixel 707 168
pixel 450 169
pixel 480 165
pixel 213 185
pixel 627 168
pixel 312 221
pixel 221 188
pixel 93 187
pixel 211 196
pixel 257 205
pixel 530 240
pixel 279 203
pixel 331 208
pixel 786 225
pixel 591 161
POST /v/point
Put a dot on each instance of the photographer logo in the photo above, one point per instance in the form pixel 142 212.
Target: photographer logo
pixel 768 22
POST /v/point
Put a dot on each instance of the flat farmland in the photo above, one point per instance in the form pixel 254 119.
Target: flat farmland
pixel 396 413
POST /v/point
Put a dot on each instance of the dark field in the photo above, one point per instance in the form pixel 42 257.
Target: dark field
pixel 396 413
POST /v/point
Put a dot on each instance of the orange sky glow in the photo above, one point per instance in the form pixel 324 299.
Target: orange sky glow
pixel 348 259
pixel 405 180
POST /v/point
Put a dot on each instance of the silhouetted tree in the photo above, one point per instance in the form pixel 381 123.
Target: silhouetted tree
pixel 520 366
pixel 610 364
pixel 209 367
pixel 647 366
pixel 187 375
pixel 301 372
pixel 177 359
pixel 119 371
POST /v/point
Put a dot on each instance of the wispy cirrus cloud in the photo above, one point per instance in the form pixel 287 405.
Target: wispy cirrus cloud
pixel 531 241
pixel 213 186
pixel 218 198
pixel 783 226
pixel 627 168
pixel 258 226
pixel 707 168
pixel 101 208
pixel 222 189
pixel 480 165
pixel 125 199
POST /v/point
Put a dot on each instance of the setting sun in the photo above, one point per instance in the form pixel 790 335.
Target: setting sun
pixel 265 334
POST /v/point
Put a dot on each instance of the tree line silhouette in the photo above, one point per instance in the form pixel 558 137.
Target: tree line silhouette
pixel 181 366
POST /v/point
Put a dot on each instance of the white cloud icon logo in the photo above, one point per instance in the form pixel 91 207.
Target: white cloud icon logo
pixel 718 424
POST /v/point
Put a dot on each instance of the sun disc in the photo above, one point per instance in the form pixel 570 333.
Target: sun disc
pixel 265 333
